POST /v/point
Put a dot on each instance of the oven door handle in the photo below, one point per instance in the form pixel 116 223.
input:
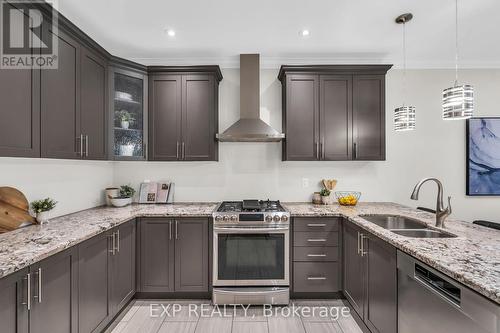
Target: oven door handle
pixel 250 230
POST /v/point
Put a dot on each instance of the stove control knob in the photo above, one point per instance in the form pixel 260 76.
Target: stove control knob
pixel 225 218
pixel 269 218
pixel 234 218
pixel 276 218
pixel 218 218
pixel 284 218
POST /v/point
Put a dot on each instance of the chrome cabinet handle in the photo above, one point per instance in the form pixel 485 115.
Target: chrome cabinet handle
pixel 316 225
pixel 362 247
pixel 39 276
pixel 86 145
pixel 317 240
pixel 359 248
pixel 118 240
pixel 316 278
pixel 112 251
pixel 323 148
pixel 80 139
pixel 176 231
pixel 170 229
pixel 316 255
pixel 177 150
pixel 355 152
pixel 28 291
pixel 316 148
pixel 183 151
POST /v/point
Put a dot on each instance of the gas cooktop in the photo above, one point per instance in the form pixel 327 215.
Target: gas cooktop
pixel 251 211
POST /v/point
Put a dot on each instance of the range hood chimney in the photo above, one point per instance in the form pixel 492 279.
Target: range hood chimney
pixel 250 128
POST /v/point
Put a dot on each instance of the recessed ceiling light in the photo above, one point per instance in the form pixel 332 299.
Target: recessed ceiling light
pixel 304 33
pixel 171 33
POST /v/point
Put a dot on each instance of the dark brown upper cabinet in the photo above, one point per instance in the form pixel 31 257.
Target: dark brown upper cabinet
pixel 60 103
pixel 334 112
pixel 19 111
pixel 74 103
pixel 128 98
pixel 183 113
pixel 93 102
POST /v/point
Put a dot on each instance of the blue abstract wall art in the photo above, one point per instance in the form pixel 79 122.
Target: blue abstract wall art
pixel 483 156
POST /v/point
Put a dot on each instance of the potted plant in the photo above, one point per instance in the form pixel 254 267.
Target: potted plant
pixel 125 198
pixel 126 119
pixel 325 196
pixel 126 147
pixel 42 209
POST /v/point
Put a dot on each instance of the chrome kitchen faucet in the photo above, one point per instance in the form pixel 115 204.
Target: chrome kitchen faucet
pixel 441 212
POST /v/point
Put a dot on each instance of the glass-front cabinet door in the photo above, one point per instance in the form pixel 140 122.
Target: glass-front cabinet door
pixel 128 115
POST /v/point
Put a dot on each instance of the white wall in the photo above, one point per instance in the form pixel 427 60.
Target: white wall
pixel 255 170
pixel 75 185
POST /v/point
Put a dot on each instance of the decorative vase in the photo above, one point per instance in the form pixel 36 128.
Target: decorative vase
pixel 127 150
pixel 42 217
pixel 125 124
pixel 316 198
pixel 112 192
pixel 325 200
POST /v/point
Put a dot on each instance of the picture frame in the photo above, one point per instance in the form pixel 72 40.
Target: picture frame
pixel 483 156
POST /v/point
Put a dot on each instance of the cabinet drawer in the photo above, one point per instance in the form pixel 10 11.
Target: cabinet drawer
pixel 316 253
pixel 316 277
pixel 315 224
pixel 320 238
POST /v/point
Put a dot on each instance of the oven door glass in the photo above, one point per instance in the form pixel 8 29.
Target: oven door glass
pixel 251 256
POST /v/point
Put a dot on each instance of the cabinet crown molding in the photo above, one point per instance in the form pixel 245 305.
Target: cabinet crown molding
pixel 332 69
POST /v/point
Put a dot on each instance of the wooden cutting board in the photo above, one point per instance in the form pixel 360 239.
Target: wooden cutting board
pixel 14 209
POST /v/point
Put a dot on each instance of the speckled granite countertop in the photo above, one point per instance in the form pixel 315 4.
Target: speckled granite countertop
pixel 23 247
pixel 472 258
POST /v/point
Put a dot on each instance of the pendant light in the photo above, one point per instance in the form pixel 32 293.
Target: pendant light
pixel 458 101
pixel 404 116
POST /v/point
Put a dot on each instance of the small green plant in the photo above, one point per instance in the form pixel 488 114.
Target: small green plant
pixel 325 192
pixel 126 191
pixel 44 205
pixel 124 115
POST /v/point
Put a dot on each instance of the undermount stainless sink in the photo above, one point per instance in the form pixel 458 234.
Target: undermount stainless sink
pixel 423 233
pixel 394 222
pixel 405 226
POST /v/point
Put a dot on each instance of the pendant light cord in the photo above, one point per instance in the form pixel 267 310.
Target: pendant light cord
pixel 404 63
pixel 456 43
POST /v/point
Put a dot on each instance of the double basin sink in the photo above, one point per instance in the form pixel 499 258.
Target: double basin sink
pixel 405 226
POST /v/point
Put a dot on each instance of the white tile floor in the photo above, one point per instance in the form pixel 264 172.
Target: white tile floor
pixel 138 319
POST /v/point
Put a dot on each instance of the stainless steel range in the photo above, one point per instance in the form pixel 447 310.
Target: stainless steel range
pixel 251 253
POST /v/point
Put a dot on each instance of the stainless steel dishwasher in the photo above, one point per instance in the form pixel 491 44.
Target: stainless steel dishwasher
pixel 429 301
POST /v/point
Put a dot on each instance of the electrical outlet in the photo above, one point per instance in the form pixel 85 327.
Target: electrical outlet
pixel 305 182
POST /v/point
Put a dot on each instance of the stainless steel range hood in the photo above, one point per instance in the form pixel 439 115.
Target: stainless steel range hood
pixel 250 128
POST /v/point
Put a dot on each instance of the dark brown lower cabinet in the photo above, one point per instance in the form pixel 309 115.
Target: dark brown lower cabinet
pixel 174 255
pixel 316 260
pixel 106 279
pixel 93 283
pixel 13 303
pixel 370 278
pixel 191 254
pixel 42 298
pixel 54 294
pixel 122 286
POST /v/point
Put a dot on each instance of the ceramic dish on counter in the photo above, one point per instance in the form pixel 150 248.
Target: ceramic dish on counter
pixel 347 198
pixel 120 202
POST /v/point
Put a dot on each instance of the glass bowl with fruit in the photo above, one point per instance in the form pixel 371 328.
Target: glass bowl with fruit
pixel 348 198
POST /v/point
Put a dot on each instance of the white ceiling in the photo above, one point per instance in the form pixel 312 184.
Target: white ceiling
pixel 342 31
